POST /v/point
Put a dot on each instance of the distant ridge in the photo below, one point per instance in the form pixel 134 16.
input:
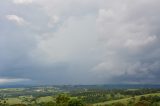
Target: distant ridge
pixel 104 86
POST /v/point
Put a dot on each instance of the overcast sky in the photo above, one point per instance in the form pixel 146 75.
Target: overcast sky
pixel 79 41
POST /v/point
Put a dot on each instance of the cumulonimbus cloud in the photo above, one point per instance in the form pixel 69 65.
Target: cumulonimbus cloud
pixel 79 41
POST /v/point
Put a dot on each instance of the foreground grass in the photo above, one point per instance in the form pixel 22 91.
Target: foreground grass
pixel 125 100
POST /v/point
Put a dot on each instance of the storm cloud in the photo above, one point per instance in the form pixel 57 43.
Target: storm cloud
pixel 79 41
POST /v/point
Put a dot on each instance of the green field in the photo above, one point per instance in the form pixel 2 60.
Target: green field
pixel 125 100
pixel 18 100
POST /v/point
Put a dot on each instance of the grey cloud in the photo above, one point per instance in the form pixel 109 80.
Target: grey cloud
pixel 131 34
pixel 81 42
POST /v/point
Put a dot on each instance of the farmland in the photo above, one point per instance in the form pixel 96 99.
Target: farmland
pixel 85 95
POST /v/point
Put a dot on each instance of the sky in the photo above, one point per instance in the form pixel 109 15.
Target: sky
pixel 79 41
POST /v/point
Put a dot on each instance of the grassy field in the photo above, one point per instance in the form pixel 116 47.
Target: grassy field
pixel 13 100
pixel 50 98
pixel 19 100
pixel 38 100
pixel 125 100
pixel 45 99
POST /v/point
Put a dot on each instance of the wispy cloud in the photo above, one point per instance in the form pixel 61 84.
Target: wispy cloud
pixel 53 21
pixel 12 80
pixel 17 20
pixel 22 1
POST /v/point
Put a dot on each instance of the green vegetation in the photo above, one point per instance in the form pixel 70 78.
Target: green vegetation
pixel 130 99
pixel 78 96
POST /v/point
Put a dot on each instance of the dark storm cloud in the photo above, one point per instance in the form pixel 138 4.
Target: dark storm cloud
pixel 80 42
pixel 132 34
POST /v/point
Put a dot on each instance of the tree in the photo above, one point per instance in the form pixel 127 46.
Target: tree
pixel 47 104
pixel 19 105
pixel 62 99
pixel 119 104
pixel 143 103
pixel 75 102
